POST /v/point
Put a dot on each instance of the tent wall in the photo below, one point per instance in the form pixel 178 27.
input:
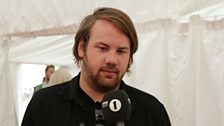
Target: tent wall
pixel 8 89
pixel 31 15
pixel 182 64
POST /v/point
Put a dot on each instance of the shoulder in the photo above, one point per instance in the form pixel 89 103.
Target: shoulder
pixel 44 104
pixel 50 93
pixel 56 93
pixel 141 98
pixel 146 105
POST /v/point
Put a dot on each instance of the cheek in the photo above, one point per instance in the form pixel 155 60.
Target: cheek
pixel 94 59
pixel 124 63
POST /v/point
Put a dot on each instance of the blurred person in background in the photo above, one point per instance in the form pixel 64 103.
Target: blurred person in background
pixel 59 76
pixel 48 72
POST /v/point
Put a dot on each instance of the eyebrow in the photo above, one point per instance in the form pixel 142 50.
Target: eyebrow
pixel 101 43
pixel 122 48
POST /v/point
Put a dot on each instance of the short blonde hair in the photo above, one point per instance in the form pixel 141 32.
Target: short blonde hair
pixel 59 76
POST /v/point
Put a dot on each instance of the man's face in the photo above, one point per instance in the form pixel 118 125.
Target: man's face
pixel 49 72
pixel 106 58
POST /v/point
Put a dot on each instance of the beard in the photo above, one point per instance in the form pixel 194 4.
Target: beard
pixel 100 81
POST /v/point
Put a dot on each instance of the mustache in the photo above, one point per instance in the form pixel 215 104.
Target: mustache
pixel 110 69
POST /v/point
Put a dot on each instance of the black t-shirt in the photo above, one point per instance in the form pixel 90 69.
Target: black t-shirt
pixel 67 105
pixel 92 110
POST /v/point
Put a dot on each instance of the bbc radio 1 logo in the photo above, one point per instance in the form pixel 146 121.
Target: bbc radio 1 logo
pixel 115 105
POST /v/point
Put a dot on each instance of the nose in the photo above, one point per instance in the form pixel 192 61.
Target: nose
pixel 111 58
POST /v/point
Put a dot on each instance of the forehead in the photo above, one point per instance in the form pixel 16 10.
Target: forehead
pixel 103 30
pixel 50 69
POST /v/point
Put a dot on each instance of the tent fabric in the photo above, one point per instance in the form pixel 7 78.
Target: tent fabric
pixel 8 105
pixel 180 56
pixel 38 50
pixel 180 63
pixel 31 15
pixel 184 69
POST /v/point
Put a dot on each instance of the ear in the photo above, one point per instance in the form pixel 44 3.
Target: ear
pixel 130 61
pixel 81 49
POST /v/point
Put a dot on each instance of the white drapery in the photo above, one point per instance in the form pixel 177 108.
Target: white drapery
pixel 182 64
pixel 31 15
pixel 8 88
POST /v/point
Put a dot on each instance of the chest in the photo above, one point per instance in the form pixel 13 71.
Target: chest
pixel 74 114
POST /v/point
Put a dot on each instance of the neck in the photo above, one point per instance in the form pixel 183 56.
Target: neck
pixel 93 94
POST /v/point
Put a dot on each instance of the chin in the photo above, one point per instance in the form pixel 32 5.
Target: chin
pixel 108 86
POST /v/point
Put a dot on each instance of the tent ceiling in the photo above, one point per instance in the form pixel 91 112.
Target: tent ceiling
pixel 42 32
pixel 18 16
pixel 42 50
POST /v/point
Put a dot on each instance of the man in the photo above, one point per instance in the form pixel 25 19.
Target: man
pixel 104 46
pixel 48 72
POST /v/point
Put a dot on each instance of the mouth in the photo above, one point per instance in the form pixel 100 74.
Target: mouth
pixel 109 73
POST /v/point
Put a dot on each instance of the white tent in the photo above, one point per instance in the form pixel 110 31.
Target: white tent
pixel 180 58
